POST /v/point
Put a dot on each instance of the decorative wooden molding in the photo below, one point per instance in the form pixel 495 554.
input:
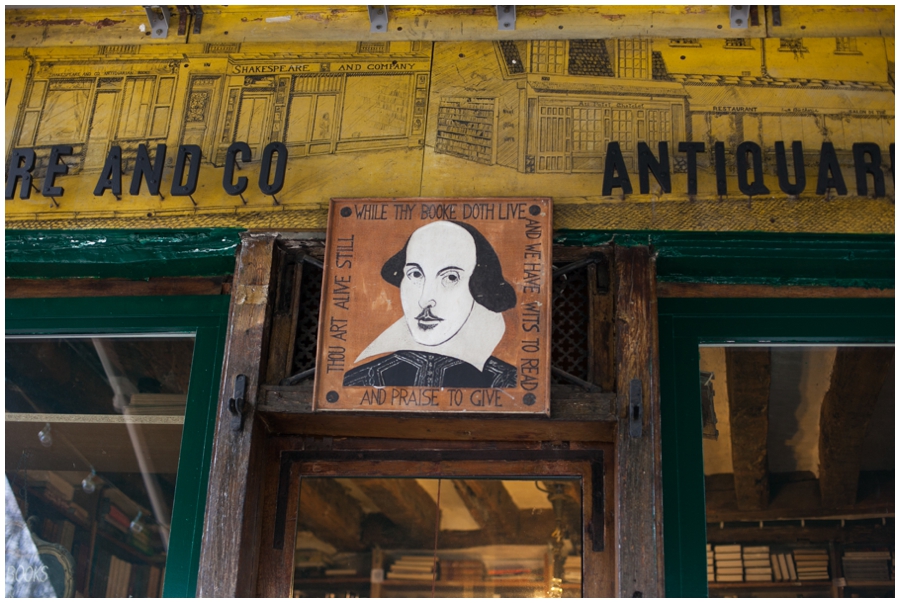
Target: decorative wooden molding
pixel 19 288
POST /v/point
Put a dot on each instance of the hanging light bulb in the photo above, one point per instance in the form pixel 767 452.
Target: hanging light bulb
pixel 45 436
pixel 136 525
pixel 89 484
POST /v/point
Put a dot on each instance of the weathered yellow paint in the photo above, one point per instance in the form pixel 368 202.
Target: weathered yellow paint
pixel 470 118
pixel 121 25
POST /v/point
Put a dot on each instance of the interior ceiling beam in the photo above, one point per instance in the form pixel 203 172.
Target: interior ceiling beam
pixel 65 26
pixel 490 504
pixel 749 375
pixel 405 503
pixel 330 513
pixel 856 380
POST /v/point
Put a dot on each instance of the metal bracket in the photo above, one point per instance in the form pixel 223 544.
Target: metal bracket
pixel 635 408
pixel 740 17
pixel 776 16
pixel 506 17
pixel 237 405
pixel 378 17
pixel 159 23
pixel 198 18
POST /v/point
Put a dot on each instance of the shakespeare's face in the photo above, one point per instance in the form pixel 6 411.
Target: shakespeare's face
pixel 440 258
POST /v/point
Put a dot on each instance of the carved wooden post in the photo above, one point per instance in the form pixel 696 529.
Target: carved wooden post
pixel 638 481
pixel 231 527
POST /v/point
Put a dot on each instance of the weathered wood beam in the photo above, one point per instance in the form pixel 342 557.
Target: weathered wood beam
pixel 749 374
pixel 230 545
pixel 406 504
pixel 759 291
pixel 534 528
pixel 20 288
pixel 856 379
pixel 638 464
pixel 330 513
pixel 602 337
pixel 576 415
pixel 490 505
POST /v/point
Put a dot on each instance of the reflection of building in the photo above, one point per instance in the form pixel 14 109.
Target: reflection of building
pixel 553 106
pixel 360 97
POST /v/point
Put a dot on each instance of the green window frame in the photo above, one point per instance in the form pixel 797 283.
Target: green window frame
pixel 685 324
pixel 206 317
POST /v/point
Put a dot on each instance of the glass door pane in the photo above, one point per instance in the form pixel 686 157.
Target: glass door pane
pixel 424 537
pixel 799 469
pixel 93 435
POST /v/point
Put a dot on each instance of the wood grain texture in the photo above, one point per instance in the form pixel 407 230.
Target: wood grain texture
pixel 749 375
pixel 19 288
pixel 712 290
pixel 638 468
pixel 856 379
pixel 330 513
pixel 228 557
pixel 602 338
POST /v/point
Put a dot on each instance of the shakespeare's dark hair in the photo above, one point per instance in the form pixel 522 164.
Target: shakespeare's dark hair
pixel 487 284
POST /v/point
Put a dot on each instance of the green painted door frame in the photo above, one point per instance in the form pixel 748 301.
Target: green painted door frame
pixel 206 317
pixel 685 324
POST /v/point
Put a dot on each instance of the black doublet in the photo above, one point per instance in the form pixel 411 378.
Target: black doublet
pixel 424 369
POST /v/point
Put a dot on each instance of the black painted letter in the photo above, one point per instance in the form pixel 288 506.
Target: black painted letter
pixel 756 187
pixel 231 187
pixel 615 164
pixel 266 168
pixel 183 190
pixel 860 150
pixel 54 168
pixel 799 169
pixel 111 176
pixel 648 163
pixel 828 163
pixel 691 148
pixel 721 182
pixel 142 168
pixel 18 170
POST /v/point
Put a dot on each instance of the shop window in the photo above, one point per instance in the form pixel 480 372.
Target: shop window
pixel 108 415
pixel 800 477
pixel 787 407
pixel 453 523
pixel 738 43
pixel 684 42
pixel 846 46
pixel 633 59
pixel 548 56
pixel 791 45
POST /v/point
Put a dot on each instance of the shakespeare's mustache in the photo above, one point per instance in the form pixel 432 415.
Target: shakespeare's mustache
pixel 426 315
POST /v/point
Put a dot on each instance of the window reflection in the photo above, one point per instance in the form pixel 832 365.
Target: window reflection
pixel 799 469
pixel 464 537
pixel 93 433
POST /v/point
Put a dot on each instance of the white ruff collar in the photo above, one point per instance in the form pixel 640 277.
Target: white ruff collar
pixel 473 343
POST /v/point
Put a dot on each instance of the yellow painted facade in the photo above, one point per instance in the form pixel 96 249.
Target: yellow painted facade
pixel 388 117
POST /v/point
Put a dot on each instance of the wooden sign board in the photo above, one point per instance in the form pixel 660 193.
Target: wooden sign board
pixel 436 305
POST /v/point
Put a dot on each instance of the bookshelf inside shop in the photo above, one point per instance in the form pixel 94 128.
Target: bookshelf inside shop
pixel 448 573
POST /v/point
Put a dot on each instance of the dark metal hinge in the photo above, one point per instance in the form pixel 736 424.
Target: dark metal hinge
pixel 237 405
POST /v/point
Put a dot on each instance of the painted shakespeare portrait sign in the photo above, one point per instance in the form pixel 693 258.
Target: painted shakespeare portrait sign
pixel 436 305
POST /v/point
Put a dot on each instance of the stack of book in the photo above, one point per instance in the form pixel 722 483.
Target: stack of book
pixel 757 565
pixel 710 566
pixel 412 568
pixel 59 531
pixel 812 564
pixel 119 577
pixel 157 404
pixel 867 566
pixel 463 570
pixel 57 490
pixel 572 569
pixel 513 573
pixel 729 563
pixel 783 567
